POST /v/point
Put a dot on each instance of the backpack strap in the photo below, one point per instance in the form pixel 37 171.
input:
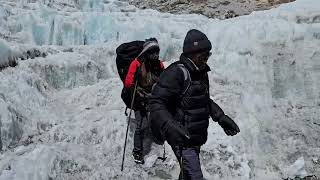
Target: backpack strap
pixel 186 85
pixel 187 79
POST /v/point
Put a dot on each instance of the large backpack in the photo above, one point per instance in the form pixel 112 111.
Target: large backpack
pixel 126 53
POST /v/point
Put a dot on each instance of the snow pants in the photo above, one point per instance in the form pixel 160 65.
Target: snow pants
pixel 141 125
pixel 190 167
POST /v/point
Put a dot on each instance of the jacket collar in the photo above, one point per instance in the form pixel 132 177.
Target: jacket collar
pixel 188 63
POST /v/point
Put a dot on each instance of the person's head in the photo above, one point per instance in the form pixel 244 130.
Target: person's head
pixel 151 50
pixel 197 46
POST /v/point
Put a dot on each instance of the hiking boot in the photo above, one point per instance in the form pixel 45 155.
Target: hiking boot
pixel 137 157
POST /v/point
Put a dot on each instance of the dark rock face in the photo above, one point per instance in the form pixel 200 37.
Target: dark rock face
pixel 220 9
pixel 29 54
pixel 32 53
pixel 10 62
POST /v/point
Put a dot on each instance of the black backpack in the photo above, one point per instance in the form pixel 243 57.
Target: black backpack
pixel 126 53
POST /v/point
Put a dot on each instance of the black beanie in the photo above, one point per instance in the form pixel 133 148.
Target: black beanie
pixel 196 41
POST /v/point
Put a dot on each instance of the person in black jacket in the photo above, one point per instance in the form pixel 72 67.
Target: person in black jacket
pixel 180 105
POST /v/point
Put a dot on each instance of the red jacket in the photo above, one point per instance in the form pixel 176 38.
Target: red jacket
pixel 135 64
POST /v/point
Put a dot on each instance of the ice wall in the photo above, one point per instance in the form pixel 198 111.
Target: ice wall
pixel 66 70
pixel 7 56
pixel 66 23
pixel 58 23
pixel 23 112
pixel 265 73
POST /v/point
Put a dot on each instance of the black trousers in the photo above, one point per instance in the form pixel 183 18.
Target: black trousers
pixel 191 163
pixel 142 124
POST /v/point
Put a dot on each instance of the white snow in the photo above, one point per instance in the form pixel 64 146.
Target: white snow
pixel 297 169
pixel 61 117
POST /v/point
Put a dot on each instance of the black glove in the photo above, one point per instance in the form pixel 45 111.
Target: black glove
pixel 142 97
pixel 142 93
pixel 174 138
pixel 228 125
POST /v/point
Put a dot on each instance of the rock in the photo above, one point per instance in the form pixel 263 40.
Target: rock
pixel 211 8
pixel 225 3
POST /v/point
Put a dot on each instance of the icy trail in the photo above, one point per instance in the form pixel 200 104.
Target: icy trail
pixel 61 116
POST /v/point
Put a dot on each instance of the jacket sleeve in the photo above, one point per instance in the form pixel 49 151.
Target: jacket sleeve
pixel 164 96
pixel 129 81
pixel 215 111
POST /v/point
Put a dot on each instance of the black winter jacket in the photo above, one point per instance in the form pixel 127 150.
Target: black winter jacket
pixel 170 110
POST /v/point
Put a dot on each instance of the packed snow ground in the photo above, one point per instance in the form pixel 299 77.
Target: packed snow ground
pixel 61 117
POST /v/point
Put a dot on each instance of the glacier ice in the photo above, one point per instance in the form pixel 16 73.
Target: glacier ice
pixel 66 70
pixel 62 118
pixel 7 55
pixel 297 168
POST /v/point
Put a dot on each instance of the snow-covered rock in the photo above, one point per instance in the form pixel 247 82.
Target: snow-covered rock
pixel 7 57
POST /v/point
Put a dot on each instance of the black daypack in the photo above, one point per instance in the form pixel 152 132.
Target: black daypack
pixel 126 53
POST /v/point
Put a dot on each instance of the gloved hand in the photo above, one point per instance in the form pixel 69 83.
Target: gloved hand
pixel 174 138
pixel 228 125
pixel 143 98
pixel 143 93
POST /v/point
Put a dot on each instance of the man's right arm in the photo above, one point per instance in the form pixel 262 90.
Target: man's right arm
pixel 217 115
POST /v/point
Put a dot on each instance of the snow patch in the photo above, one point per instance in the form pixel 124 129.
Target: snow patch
pixel 297 169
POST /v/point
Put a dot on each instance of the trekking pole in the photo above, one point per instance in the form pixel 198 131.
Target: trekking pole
pixel 164 153
pixel 129 119
pixel 181 163
pixel 163 158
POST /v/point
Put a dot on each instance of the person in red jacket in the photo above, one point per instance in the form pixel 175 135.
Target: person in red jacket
pixel 145 69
